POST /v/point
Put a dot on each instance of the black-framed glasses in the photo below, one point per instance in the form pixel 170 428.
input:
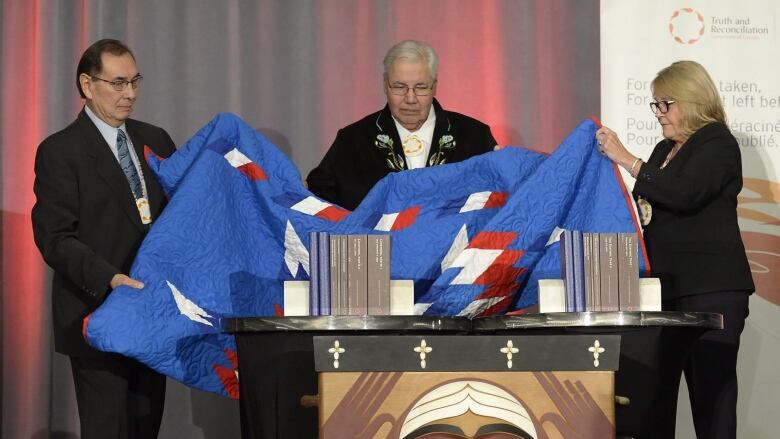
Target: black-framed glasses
pixel 418 90
pixel 121 84
pixel 662 106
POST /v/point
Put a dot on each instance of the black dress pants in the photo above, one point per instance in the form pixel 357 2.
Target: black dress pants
pixel 118 397
pixel 711 367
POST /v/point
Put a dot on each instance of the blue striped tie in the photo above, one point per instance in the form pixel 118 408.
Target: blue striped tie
pixel 128 167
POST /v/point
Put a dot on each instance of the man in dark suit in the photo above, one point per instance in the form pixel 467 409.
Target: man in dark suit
pixel 412 131
pixel 95 201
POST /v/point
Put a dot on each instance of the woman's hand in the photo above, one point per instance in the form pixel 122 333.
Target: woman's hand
pixel 611 146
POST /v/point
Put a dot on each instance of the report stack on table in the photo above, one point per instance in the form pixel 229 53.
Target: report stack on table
pixel 350 275
pixel 599 272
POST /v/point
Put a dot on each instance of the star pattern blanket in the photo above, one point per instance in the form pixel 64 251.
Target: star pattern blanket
pixel 474 236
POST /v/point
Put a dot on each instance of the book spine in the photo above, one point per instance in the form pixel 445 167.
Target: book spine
pixel 609 272
pixel 562 248
pixel 335 300
pixel 595 246
pixel 314 275
pixel 344 275
pixel 628 271
pixel 357 275
pixel 378 274
pixel 323 240
pixel 579 271
pixel 568 270
pixel 587 260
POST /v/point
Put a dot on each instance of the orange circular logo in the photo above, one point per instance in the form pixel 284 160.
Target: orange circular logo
pixel 686 26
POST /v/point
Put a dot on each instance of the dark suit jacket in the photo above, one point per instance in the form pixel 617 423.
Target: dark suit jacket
pixel 85 220
pixel 364 152
pixel 693 239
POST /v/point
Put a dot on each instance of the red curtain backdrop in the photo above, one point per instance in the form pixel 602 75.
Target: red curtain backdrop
pixel 298 71
pixel 25 335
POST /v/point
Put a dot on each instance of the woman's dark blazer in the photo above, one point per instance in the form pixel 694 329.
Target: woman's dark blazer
pixel 693 239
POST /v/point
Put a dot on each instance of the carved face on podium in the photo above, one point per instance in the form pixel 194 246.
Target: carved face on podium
pixel 438 405
pixel 468 409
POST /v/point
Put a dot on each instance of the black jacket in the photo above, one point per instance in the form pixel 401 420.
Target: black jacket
pixel 85 220
pixel 364 152
pixel 693 239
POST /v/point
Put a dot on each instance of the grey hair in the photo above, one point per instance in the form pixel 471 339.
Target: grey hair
pixel 413 51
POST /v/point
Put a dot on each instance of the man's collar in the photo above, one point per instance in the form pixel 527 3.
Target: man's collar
pixel 108 132
pixel 426 128
pixel 100 123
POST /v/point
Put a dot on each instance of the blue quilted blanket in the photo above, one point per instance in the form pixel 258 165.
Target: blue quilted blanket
pixel 474 236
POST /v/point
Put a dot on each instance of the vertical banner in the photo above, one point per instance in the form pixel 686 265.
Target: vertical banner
pixel 738 44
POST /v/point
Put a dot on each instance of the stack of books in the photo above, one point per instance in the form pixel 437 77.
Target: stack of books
pixel 350 274
pixel 600 271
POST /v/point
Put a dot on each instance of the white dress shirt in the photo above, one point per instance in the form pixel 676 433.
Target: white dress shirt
pixel 109 134
pixel 417 144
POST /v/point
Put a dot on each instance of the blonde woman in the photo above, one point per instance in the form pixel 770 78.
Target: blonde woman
pixel 687 196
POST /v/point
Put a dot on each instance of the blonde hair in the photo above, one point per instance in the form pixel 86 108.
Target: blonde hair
pixel 690 86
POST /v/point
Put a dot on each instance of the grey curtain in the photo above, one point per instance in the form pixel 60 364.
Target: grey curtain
pixel 297 70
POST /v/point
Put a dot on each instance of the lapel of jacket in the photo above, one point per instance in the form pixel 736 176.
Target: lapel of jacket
pixel 659 154
pixel 388 142
pixel 108 168
pixel 153 190
pixel 443 140
pixel 682 155
pixel 699 137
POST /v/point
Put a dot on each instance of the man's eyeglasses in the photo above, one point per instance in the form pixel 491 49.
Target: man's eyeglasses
pixel 418 90
pixel 662 106
pixel 121 84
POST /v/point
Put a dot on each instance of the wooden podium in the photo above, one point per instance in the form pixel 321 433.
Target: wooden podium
pixel 277 365
pixel 466 386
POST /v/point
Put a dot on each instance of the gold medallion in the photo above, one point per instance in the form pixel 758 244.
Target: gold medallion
pixel 412 146
pixel 645 211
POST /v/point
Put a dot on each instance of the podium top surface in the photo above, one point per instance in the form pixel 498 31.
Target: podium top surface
pixel 603 320
pixel 701 320
pixel 347 323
